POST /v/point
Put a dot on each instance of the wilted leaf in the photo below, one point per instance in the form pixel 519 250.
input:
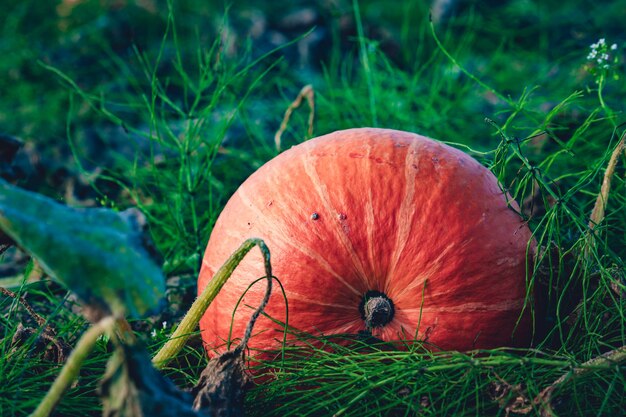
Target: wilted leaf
pixel 98 253
pixel 222 384
pixel 133 388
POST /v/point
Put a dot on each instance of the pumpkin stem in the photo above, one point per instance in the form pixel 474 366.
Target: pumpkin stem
pixel 376 309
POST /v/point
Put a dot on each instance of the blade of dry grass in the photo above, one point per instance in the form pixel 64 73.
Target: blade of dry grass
pixel 308 93
pixel 597 214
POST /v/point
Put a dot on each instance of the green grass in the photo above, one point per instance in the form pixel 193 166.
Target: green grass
pixel 369 380
pixel 181 122
pixel 26 371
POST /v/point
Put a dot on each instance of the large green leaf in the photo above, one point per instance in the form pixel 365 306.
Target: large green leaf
pixel 97 253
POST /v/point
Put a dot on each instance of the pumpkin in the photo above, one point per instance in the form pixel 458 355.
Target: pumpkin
pixel 377 230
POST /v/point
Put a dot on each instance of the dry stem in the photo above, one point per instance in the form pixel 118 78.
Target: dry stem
pixel 604 361
pixel 308 93
pixel 597 215
pixel 40 320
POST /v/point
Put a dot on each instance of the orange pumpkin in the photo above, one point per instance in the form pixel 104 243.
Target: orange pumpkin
pixel 379 230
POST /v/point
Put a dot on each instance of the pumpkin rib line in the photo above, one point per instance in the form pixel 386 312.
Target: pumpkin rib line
pixel 407 211
pixel 508 305
pixel 314 256
pixel 425 275
pixel 370 221
pixel 418 281
pixel 345 328
pixel 305 250
pixel 311 172
pixel 308 300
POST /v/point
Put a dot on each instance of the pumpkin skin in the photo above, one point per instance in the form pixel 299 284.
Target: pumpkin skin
pixel 371 211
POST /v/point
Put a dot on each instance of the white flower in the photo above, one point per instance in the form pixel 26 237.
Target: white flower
pixel 153 333
pixel 599 52
pixel 164 324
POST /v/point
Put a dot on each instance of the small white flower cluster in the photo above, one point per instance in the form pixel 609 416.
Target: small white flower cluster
pixel 600 53
pixel 154 333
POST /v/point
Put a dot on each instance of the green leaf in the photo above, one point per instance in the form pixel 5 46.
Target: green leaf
pixel 99 254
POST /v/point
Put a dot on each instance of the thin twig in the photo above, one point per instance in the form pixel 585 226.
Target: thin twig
pixel 308 93
pixel 40 320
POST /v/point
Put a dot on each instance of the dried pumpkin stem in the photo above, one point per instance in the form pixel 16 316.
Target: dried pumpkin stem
pixel 190 322
pixel 71 368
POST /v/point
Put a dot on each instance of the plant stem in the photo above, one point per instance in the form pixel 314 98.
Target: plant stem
pixel 308 93
pixel 607 110
pixel 604 361
pixel 597 215
pixel 72 366
pixel 598 212
pixel 40 320
pixel 199 306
